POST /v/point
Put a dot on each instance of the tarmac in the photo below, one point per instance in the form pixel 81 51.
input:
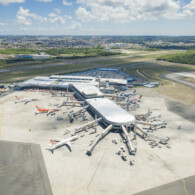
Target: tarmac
pixel 104 172
pixel 180 187
pixel 182 109
pixel 22 169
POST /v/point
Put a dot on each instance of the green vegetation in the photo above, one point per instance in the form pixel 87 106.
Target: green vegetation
pixel 182 58
pixel 80 52
pixel 10 51
pixel 62 52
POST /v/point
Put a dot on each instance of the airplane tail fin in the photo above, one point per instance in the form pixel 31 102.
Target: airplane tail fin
pixel 17 97
pixel 53 143
pixel 37 108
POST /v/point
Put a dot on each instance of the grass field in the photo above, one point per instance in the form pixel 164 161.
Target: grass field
pixel 191 80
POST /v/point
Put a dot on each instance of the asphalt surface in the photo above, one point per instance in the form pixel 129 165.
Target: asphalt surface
pixel 186 111
pixel 181 187
pixel 22 170
pixel 178 78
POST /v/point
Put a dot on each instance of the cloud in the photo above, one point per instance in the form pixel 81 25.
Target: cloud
pixel 130 10
pixel 190 6
pixel 66 2
pixel 2 24
pixel 45 1
pixel 57 18
pixel 6 2
pixel 24 16
pixel 74 26
pixel 57 10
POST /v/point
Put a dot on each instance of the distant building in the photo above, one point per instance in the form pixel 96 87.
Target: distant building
pixel 38 56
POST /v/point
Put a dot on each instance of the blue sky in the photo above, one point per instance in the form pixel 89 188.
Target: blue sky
pixel 97 17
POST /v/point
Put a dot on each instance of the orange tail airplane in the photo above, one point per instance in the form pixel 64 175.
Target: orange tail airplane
pixel 138 99
pixel 46 110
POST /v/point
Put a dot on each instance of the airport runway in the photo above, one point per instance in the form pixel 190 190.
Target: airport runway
pixel 184 186
pixel 67 63
pixel 22 170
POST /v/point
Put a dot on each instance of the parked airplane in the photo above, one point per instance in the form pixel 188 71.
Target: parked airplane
pixel 57 143
pixel 143 117
pixel 135 99
pixel 25 100
pixel 128 94
pixel 46 110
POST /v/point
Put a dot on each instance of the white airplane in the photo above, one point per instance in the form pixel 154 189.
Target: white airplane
pixel 25 100
pixel 57 143
pixel 128 94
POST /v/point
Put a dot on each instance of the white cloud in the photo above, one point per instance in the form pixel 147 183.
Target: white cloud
pixel 191 5
pixel 130 10
pixel 45 1
pixel 66 2
pixel 57 10
pixel 74 26
pixel 2 24
pixel 57 18
pixel 24 16
pixel 6 2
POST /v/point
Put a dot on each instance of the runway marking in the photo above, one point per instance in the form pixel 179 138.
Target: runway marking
pixel 88 185
pixel 1 122
pixel 78 189
pixel 141 73
pixel 184 186
pixel 21 165
pixel 96 170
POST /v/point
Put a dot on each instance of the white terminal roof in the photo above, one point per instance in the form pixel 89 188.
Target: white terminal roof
pixel 62 81
pixel 88 91
pixel 58 81
pixel 67 77
pixel 115 81
pixel 111 112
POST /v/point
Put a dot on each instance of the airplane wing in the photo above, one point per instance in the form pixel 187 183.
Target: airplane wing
pixel 69 146
pixel 49 112
pixel 27 101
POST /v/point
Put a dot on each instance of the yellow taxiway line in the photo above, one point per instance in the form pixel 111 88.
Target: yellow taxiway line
pixel 1 120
